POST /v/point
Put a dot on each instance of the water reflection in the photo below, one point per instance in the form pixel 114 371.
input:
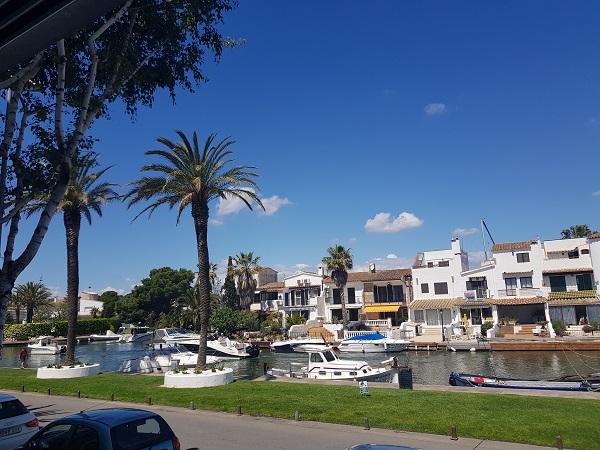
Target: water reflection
pixel 427 367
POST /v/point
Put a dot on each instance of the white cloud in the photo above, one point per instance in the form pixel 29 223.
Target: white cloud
pixel 596 194
pixel 475 259
pixel 381 223
pixel 461 232
pixel 390 262
pixel 109 288
pixel 215 222
pixel 433 109
pixel 272 204
pixel 230 205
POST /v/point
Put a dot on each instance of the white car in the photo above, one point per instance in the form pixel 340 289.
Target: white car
pixel 17 424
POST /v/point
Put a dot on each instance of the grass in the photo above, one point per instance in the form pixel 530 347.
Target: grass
pixel 509 418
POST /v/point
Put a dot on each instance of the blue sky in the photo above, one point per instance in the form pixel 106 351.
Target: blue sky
pixel 387 127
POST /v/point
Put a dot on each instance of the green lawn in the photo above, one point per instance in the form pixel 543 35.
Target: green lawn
pixel 512 418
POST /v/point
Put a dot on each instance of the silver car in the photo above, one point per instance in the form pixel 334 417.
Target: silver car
pixel 17 424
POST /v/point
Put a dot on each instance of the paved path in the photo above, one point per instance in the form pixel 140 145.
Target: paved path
pixel 198 429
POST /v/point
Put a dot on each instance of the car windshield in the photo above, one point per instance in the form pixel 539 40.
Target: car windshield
pixel 140 434
pixel 12 408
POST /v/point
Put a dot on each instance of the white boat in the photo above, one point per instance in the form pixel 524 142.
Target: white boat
pixel 291 345
pixel 221 347
pixel 325 365
pixel 372 343
pixel 173 334
pixel 109 336
pixel 131 333
pixel 163 357
pixel 45 345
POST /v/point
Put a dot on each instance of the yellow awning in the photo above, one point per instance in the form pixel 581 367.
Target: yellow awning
pixel 381 308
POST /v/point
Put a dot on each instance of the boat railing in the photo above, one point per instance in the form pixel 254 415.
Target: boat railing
pixel 350 334
pixel 381 323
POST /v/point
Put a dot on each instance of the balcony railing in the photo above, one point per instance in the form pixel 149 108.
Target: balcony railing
pixel 520 292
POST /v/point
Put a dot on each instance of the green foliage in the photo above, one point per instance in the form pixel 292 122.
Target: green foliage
pixel 228 321
pixel 23 332
pixel 486 326
pixel 577 231
pixel 295 319
pixel 109 300
pixel 230 297
pixel 272 324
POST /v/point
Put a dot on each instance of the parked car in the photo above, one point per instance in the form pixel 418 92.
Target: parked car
pixel 17 423
pixel 106 429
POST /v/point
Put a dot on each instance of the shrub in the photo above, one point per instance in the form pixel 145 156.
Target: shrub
pixel 486 326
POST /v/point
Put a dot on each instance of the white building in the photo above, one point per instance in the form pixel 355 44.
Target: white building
pixel 87 302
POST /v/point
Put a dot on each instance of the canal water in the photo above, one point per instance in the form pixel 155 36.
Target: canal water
pixel 428 367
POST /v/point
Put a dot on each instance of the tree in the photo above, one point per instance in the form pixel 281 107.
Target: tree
pixel 194 176
pixel 83 197
pixel 245 267
pixel 339 262
pixel 109 300
pixel 577 231
pixel 231 298
pixel 125 57
pixel 33 295
pixel 16 301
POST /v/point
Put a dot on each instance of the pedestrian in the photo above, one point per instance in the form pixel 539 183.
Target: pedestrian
pixel 23 357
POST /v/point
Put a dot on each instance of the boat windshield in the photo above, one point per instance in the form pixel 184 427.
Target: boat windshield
pixel 329 356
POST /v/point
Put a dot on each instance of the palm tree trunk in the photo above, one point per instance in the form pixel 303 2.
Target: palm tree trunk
pixel 344 310
pixel 200 215
pixel 72 223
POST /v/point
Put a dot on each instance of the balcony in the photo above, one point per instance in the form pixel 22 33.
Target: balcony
pixel 520 292
pixel 330 300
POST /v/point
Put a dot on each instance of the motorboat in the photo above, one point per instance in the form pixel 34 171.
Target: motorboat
pixel 290 345
pixel 133 333
pixel 372 343
pixel 163 357
pixel 325 365
pixel 109 336
pixel 173 334
pixel 568 383
pixel 45 345
pixel 221 347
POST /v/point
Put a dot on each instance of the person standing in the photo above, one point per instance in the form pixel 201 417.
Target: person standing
pixel 23 357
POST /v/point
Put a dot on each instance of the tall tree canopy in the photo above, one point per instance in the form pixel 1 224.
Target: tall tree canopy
pixel 577 231
pixel 190 175
pixel 124 56
pixel 244 270
pixel 230 297
pixel 338 263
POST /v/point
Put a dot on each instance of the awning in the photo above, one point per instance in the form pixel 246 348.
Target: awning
pixel 438 303
pixel 381 308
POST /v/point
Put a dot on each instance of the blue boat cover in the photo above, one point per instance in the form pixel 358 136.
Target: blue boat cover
pixel 367 337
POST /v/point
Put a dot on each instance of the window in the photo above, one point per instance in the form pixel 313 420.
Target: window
pixel 526 282
pixel 585 251
pixel 558 283
pixel 522 257
pixel 419 316
pixel 440 288
pixel 336 297
pixel 84 438
pixel 573 255
pixel 584 282
pixel 444 264
pixel 511 286
pixel 424 288
pixel 398 293
pixel 351 296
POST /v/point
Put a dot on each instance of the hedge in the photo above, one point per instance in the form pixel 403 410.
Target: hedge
pixel 85 327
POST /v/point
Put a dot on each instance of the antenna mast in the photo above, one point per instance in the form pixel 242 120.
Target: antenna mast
pixel 483 225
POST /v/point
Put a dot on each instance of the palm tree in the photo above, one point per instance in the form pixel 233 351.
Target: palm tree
pixel 16 301
pixel 83 197
pixel 339 262
pixel 243 269
pixel 576 231
pixel 194 176
pixel 33 296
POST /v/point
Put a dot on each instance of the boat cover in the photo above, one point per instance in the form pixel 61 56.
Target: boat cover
pixel 367 337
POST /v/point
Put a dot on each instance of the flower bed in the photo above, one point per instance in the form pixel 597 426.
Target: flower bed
pixel 76 371
pixel 206 378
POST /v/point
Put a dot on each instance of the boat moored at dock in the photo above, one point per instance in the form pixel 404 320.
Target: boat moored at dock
pixel 567 383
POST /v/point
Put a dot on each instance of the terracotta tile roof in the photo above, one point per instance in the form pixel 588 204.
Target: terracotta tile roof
pixel 475 303
pixel 573 301
pixel 573 294
pixel 380 275
pixel 595 236
pixel 271 286
pixel 577 269
pixel 526 245
pixel 432 303
pixel 519 301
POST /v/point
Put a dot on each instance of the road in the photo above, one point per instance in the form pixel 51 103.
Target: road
pixel 199 429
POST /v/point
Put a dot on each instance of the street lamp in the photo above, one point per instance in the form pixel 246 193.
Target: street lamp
pixel 442 321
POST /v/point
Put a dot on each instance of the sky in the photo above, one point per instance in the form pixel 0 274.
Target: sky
pixel 386 127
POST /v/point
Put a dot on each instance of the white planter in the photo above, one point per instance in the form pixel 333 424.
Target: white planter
pixel 68 372
pixel 190 379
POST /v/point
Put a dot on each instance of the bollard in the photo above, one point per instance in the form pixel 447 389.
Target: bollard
pixel 367 427
pixel 559 443
pixel 48 391
pixel 192 405
pixel 149 400
pixel 22 388
pixel 454 436
pixel 297 416
pixel 239 410
pixel 112 396
pixel 78 394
